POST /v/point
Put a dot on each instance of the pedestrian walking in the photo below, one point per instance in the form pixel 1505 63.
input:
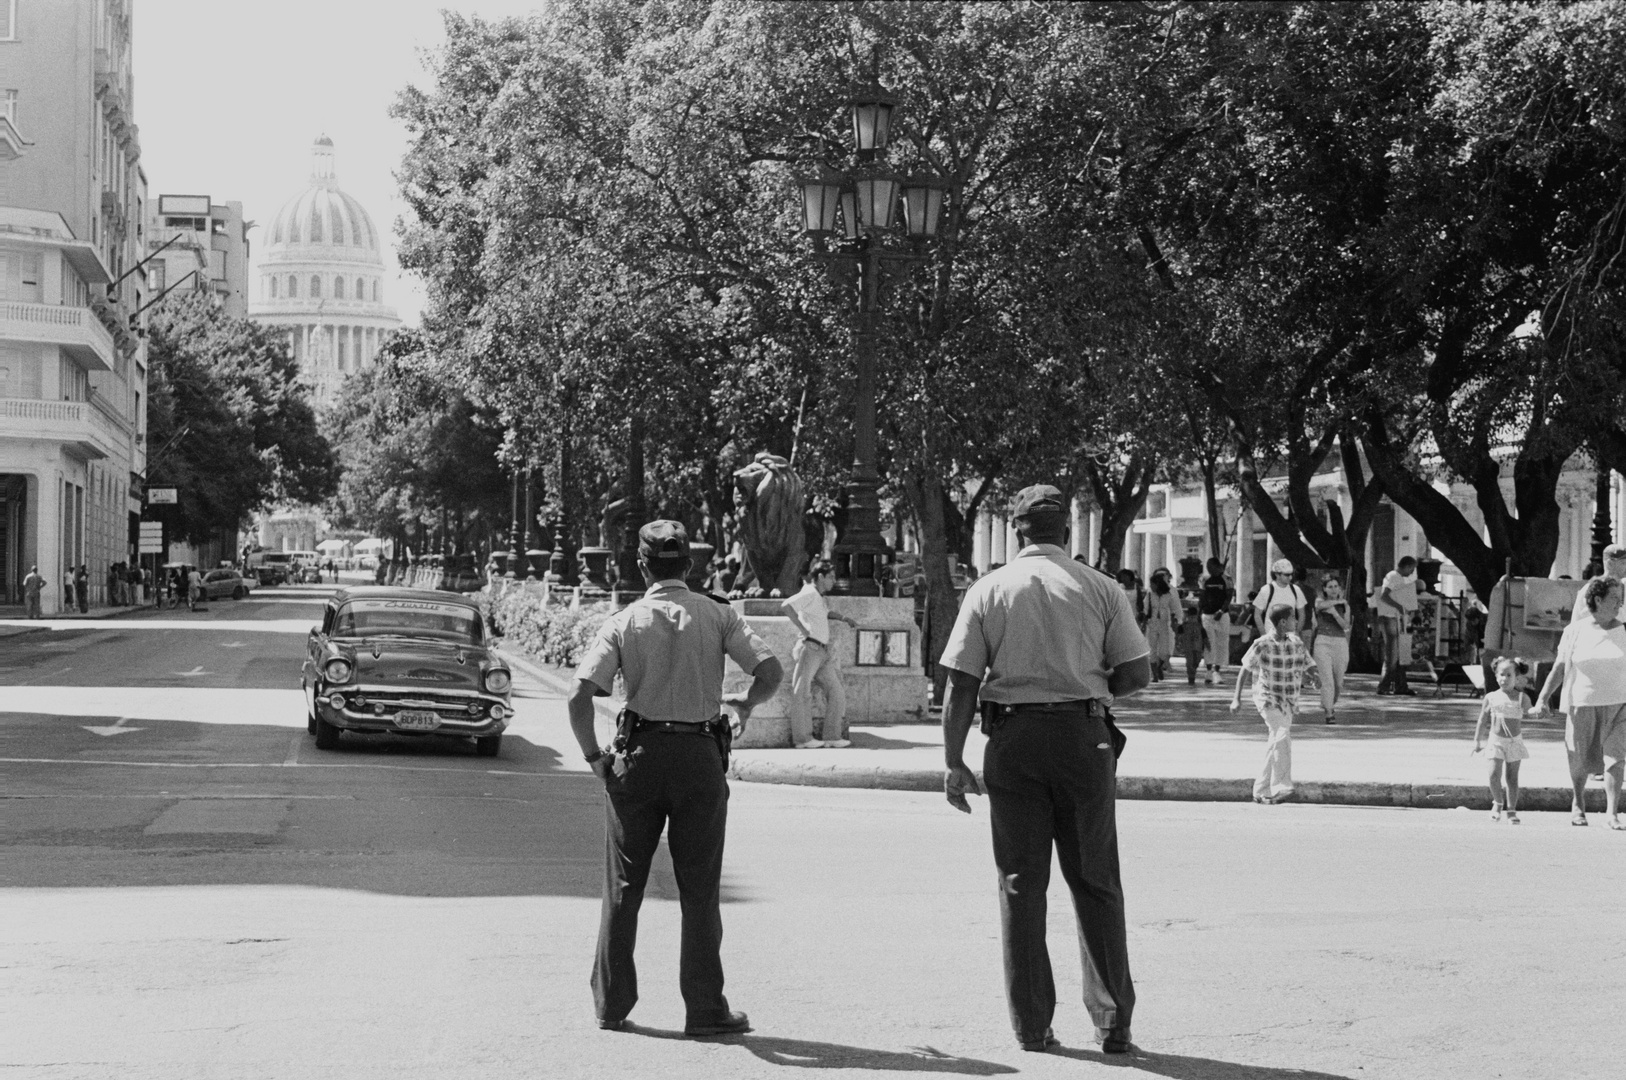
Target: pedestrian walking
pixel 81 588
pixel 814 662
pixel 1048 644
pixel 1129 582
pixel 1162 616
pixel 1397 599
pixel 1192 642
pixel 194 588
pixel 1214 595
pixel 1614 565
pixel 1280 589
pixel 1590 677
pixel 1331 645
pixel 1277 660
pixel 1503 710
pixel 33 585
pixel 667 769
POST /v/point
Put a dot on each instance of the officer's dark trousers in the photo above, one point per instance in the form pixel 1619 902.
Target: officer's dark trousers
pixel 677 782
pixel 1050 779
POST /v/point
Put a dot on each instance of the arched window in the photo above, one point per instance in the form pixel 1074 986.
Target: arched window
pixel 361 288
pixel 316 226
pixel 273 288
pixel 293 287
pixel 375 291
pixel 338 288
pixel 316 287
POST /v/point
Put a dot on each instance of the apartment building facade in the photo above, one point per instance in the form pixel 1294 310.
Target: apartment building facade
pixel 197 244
pixel 73 214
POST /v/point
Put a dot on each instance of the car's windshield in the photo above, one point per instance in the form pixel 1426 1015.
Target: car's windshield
pixel 409 618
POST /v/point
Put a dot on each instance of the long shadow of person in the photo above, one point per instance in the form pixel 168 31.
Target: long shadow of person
pixel 1181 1067
pixel 806 1054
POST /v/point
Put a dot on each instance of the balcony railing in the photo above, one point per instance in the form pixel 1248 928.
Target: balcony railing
pixel 76 329
pixel 75 422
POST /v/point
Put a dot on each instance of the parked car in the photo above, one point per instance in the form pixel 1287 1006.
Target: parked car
pixel 271 567
pixel 404 662
pixel 307 568
pixel 225 582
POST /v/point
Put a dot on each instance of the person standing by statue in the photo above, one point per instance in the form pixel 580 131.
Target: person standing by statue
pixel 667 769
pixel 1048 644
pixel 813 661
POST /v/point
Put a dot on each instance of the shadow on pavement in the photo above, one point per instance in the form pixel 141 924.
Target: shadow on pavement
pixel 868 740
pixel 807 1054
pixel 1181 1067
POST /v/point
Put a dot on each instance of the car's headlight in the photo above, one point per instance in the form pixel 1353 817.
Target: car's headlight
pixel 337 670
pixel 498 681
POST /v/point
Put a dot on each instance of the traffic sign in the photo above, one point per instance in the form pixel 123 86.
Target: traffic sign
pixel 152 538
pixel 157 496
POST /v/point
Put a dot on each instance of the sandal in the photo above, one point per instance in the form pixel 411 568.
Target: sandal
pixel 1496 811
pixel 1513 817
pixel 1577 818
pixel 1617 824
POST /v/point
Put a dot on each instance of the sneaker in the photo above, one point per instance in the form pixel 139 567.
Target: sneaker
pixel 836 744
pixel 811 744
pixel 1331 719
pixel 1496 811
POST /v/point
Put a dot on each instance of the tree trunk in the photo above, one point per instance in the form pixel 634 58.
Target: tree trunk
pixel 1120 501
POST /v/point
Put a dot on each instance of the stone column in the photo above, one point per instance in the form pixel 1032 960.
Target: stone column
pixel 980 541
pixel 996 552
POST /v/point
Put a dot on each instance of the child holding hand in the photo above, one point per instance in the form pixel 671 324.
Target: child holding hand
pixel 1503 712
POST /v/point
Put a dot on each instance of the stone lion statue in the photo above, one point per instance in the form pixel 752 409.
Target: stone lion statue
pixel 768 503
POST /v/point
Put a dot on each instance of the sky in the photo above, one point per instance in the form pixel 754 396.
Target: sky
pixel 230 95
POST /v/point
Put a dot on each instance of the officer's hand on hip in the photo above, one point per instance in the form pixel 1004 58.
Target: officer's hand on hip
pixel 959 781
pixel 602 766
pixel 741 704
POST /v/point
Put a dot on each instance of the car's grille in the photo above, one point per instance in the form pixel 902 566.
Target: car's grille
pixel 383 703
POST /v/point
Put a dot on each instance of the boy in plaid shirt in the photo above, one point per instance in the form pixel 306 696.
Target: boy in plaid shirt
pixel 1278 662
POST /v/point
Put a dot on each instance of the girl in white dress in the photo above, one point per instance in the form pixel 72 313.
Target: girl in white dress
pixel 1503 711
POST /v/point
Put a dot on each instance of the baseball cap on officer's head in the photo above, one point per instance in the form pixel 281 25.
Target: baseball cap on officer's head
pixel 1615 551
pixel 663 540
pixel 1038 499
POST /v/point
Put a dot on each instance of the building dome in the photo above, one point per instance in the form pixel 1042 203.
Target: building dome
pixel 321 279
pixel 323 221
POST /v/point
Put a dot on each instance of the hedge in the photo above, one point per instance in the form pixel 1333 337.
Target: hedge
pixel 548 631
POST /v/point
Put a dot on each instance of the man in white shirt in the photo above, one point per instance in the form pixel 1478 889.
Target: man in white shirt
pixel 1397 599
pixel 1281 590
pixel 813 661
pixel 1614 566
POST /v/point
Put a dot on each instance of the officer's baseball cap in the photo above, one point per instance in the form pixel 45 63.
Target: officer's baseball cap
pixel 663 540
pixel 1038 499
pixel 1615 551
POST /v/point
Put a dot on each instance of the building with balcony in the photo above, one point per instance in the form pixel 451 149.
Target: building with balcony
pixel 198 244
pixel 321 280
pixel 72 224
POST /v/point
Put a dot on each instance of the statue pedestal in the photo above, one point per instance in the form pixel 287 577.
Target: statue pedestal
pixel 880 666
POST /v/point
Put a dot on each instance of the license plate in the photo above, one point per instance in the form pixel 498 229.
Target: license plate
pixel 417 721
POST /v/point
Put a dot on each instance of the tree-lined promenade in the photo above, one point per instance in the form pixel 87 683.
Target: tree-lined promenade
pixel 1198 243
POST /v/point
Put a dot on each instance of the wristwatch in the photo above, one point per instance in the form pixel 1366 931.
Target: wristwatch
pixel 594 756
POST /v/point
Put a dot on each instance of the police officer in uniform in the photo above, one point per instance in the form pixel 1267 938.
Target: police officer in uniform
pixel 667 769
pixel 1048 644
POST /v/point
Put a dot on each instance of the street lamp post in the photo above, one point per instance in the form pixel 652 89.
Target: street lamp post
pixel 858 209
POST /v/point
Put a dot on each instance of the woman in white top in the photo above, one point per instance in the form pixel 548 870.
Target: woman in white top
pixel 1162 614
pixel 1591 668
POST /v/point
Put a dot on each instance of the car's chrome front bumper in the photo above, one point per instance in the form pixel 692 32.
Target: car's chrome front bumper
pixel 376 708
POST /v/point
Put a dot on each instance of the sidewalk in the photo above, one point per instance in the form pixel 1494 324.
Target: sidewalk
pixel 1185 744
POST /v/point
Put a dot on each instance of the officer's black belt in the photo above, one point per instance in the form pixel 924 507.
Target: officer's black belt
pixel 1088 706
pixel 641 725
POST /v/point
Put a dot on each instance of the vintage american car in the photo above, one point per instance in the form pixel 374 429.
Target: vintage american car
pixel 405 662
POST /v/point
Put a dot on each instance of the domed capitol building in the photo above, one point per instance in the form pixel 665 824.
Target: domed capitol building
pixel 322 279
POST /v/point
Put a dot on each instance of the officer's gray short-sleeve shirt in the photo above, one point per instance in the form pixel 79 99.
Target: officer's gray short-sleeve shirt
pixel 1043 628
pixel 669 646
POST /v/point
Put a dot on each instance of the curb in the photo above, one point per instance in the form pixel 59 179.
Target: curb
pixel 1137 788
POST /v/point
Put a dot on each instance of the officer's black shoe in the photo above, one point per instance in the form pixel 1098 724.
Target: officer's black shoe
pixel 1043 1042
pixel 1115 1041
pixel 736 1023
pixel 613 1025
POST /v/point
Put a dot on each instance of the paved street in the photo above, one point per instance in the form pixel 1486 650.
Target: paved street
pixel 192 890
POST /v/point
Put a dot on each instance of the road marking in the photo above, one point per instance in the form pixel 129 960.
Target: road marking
pixel 116 728
pixel 194 672
pixel 283 765
pixel 293 750
pixel 234 644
